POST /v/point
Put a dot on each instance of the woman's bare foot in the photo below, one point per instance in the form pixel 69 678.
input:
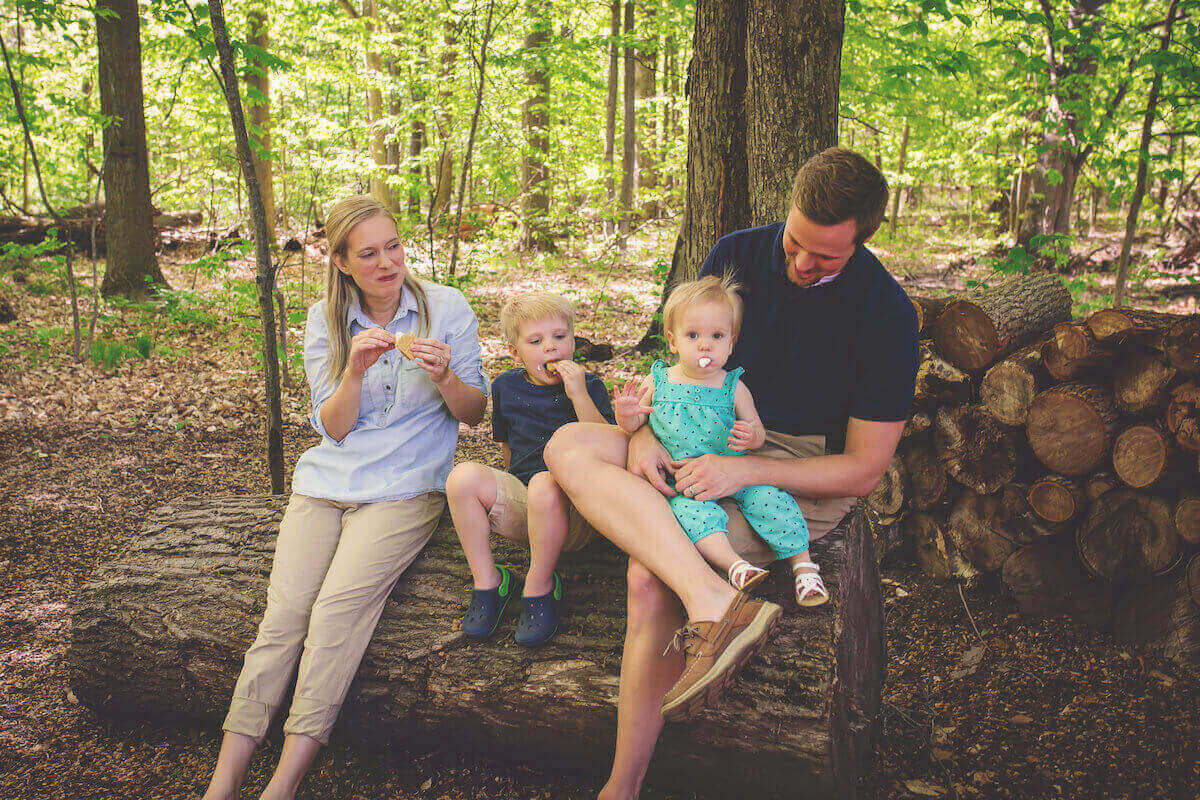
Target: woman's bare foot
pixel 610 792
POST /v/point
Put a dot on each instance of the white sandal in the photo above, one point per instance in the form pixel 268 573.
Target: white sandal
pixel 810 589
pixel 744 576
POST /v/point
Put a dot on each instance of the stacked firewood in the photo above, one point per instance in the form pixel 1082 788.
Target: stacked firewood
pixel 1061 455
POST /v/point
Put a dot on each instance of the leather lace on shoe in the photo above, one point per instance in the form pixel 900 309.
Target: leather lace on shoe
pixel 682 640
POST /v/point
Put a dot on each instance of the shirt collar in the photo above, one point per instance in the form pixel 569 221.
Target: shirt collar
pixel 355 313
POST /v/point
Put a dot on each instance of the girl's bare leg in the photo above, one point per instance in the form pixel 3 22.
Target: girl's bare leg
pixel 717 551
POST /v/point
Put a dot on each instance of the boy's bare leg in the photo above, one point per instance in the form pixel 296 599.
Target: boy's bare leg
pixel 230 771
pixel 547 511
pixel 471 493
pixel 298 754
pixel 588 462
pixel 646 676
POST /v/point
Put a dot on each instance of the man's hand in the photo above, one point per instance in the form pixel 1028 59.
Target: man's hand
pixel 648 459
pixel 709 477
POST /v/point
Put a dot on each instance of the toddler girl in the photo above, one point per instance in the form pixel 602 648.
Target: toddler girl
pixel 696 407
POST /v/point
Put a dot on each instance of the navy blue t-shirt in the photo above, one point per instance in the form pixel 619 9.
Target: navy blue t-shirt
pixel 816 356
pixel 525 415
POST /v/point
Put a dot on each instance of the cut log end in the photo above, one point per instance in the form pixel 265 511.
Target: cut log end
pixel 1187 519
pixel 1056 498
pixel 1070 427
pixel 1140 455
pixel 1128 537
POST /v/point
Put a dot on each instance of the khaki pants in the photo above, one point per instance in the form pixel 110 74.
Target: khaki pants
pixel 509 516
pixel 335 565
pixel 821 514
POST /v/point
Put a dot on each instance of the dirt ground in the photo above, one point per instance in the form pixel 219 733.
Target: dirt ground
pixel 979 702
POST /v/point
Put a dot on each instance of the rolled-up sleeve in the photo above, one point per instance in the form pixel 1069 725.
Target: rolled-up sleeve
pixel 318 354
pixel 462 334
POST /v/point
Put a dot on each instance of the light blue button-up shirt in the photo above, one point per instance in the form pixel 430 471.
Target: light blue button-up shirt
pixel 402 444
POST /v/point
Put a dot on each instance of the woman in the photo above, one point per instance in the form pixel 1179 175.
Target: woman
pixel 366 499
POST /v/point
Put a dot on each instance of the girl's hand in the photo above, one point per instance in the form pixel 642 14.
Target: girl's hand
pixel 366 348
pixel 573 377
pixel 433 356
pixel 746 435
pixel 631 413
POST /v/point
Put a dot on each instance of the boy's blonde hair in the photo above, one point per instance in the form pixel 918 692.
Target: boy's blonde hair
pixel 533 307
pixel 708 289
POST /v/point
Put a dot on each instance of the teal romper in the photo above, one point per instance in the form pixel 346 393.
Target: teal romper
pixel 692 421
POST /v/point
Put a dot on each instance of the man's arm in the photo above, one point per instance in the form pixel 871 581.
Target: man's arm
pixel 854 473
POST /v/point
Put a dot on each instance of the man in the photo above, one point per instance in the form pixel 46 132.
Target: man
pixel 829 344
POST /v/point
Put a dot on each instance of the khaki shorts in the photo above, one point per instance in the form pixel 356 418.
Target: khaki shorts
pixel 821 515
pixel 509 516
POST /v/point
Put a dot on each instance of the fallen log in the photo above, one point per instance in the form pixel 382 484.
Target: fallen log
pixel 1140 381
pixel 159 634
pixel 926 475
pixel 1057 499
pixel 918 423
pixel 1072 351
pixel 934 552
pixel 1183 415
pixel 1193 579
pixel 938 379
pixel 1187 519
pixel 1071 427
pixel 1182 344
pixel 889 499
pixel 1116 327
pixel 987 529
pixel 1047 580
pixel 1163 616
pixel 1128 536
pixel 1144 456
pixel 972 333
pixel 928 310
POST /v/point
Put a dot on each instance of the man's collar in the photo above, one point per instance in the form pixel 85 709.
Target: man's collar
pixel 355 313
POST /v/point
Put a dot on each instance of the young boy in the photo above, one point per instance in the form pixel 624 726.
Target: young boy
pixel 529 403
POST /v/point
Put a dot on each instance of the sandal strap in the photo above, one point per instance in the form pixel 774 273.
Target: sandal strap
pixel 740 570
pixel 814 567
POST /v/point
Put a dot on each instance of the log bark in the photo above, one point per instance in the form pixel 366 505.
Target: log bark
pixel 1163 617
pixel 918 423
pixel 1072 351
pixel 1100 483
pixel 160 633
pixel 973 333
pixel 1183 415
pixel 1071 426
pixel 934 552
pixel 1047 580
pixel 1193 579
pixel 987 529
pixel 1144 455
pixel 1140 381
pixel 928 310
pixel 1128 536
pixel 1187 519
pixel 889 499
pixel 1182 344
pixel 1008 388
pixel 977 452
pixel 926 476
pixel 1057 498
pixel 938 379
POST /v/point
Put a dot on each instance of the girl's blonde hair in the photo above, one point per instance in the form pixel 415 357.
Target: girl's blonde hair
pixel 533 307
pixel 709 289
pixel 340 288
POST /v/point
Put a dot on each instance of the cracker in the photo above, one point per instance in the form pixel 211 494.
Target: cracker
pixel 404 343
pixel 551 366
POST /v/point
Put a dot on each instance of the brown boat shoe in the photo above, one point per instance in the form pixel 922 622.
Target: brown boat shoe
pixel 714 653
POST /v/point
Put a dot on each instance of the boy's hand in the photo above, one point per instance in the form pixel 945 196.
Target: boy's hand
pixel 573 377
pixel 746 435
pixel 627 406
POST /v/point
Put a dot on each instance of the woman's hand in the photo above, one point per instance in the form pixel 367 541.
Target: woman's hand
pixel 709 477
pixel 746 435
pixel 628 407
pixel 433 356
pixel 366 348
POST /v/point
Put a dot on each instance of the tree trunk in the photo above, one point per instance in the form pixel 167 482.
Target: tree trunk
pixel 535 170
pixel 901 165
pixel 379 187
pixel 647 140
pixel 1117 327
pixel 1071 427
pixel 445 166
pixel 1139 190
pixel 629 140
pixel 1009 386
pixel 742 153
pixel 160 634
pixel 973 332
pixel 258 95
pixel 264 266
pixel 131 268
pixel 1128 536
pixel 610 116
pixel 417 135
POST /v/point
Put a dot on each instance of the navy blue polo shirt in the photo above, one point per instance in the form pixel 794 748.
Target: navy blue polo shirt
pixel 525 415
pixel 816 356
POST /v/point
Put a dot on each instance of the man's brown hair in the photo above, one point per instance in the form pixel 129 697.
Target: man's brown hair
pixel 839 184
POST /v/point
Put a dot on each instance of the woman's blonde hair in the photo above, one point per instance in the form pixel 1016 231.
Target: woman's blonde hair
pixel 340 288
pixel 709 289
pixel 533 307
